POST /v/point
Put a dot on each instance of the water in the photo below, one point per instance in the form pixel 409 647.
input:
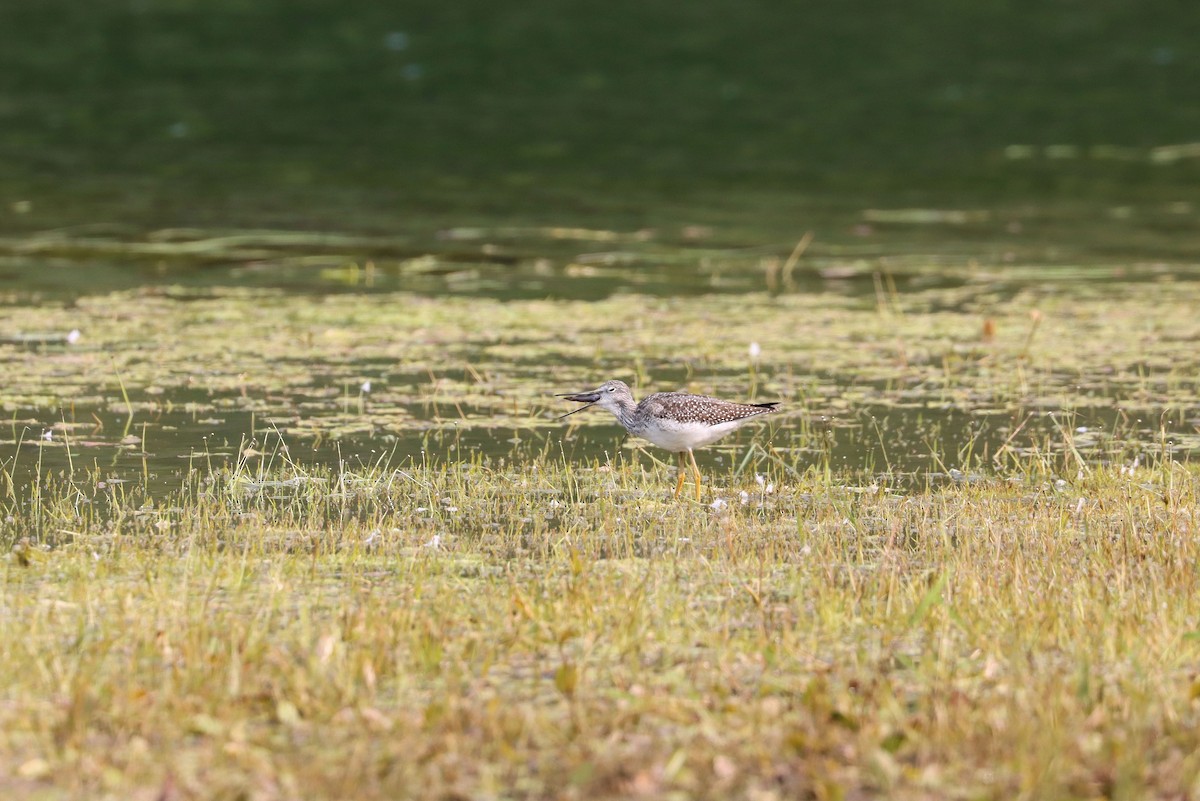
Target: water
pixel 249 213
pixel 125 368
pixel 907 446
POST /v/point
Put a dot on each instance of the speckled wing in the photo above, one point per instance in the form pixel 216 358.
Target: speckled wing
pixel 684 408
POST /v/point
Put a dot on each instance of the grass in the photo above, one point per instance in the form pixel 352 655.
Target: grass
pixel 332 543
pixel 554 629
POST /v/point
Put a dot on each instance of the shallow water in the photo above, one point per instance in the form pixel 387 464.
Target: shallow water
pixel 908 447
pixel 294 405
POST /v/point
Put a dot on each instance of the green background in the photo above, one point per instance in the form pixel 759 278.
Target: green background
pixel 375 115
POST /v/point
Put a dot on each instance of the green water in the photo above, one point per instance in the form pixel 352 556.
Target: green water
pixel 761 118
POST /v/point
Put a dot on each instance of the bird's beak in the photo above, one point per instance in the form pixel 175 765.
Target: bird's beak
pixel 579 397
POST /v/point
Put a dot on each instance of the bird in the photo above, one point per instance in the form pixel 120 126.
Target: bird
pixel 676 421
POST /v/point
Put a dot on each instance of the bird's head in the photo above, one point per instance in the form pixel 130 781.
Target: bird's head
pixel 610 395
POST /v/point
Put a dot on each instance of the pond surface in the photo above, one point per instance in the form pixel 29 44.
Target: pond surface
pixel 142 359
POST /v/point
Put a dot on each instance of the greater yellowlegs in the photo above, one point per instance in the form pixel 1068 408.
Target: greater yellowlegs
pixel 677 421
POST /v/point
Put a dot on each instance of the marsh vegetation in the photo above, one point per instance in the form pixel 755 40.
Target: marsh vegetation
pixel 306 526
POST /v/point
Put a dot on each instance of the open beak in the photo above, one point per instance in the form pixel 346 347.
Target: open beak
pixel 579 397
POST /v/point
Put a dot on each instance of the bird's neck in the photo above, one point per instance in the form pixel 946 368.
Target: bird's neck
pixel 626 413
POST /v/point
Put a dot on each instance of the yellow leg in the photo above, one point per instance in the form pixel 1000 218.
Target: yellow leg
pixel 696 468
pixel 682 473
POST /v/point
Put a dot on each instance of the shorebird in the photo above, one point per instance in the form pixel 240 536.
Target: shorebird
pixel 676 421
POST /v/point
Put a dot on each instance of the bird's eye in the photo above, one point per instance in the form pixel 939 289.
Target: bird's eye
pixel 612 389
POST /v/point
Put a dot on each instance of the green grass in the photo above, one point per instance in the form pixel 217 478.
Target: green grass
pixel 574 633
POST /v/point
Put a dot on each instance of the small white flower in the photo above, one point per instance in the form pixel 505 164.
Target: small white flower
pixel 366 386
pixel 434 542
pixel 74 336
pixel 718 504
pixel 48 435
pixel 744 497
pixel 755 350
pixel 760 479
pixel 1081 430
